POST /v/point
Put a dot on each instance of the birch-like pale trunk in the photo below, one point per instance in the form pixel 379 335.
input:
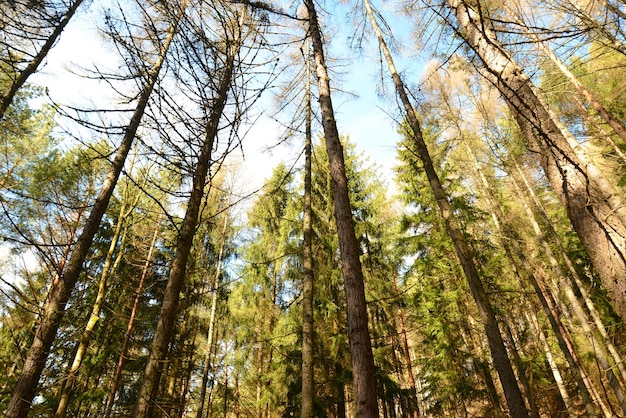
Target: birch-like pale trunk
pixel 107 270
pixel 594 206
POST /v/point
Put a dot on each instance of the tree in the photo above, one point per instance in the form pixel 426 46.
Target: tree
pixel 30 25
pixel 496 344
pixel 234 23
pixel 308 278
pixel 360 345
pixel 26 386
pixel 593 205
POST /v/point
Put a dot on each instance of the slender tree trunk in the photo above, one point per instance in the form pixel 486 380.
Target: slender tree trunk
pixel 214 298
pixel 169 306
pixel 554 368
pixel 131 323
pixel 595 208
pixel 502 363
pixel 54 310
pixel 18 82
pixel 565 287
pixel 407 355
pixel 507 240
pixel 529 198
pixel 358 332
pixel 308 389
pixel 108 268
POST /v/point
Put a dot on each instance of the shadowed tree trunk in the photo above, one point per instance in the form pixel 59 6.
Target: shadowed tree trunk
pixel 364 379
pixel 169 306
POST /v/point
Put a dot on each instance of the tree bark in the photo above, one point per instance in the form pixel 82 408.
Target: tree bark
pixel 169 306
pixel 595 208
pixel 415 413
pixel 108 268
pixel 54 310
pixel 364 379
pixel 308 389
pixel 502 363
pixel 214 299
pixel 508 240
pixel 616 125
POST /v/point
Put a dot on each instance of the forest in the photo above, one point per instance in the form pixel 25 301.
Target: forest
pixel 486 277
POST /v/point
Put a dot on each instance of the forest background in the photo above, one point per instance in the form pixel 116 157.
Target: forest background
pixel 150 271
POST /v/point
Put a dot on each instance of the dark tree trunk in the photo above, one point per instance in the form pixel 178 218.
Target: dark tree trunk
pixel 176 279
pixel 18 82
pixel 364 379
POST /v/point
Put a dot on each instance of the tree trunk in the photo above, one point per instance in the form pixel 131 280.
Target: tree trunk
pixel 358 333
pixel 308 389
pixel 108 268
pixel 131 323
pixel 575 305
pixel 215 292
pixel 508 240
pixel 501 361
pixel 176 279
pixel 558 379
pixel 18 82
pixel 594 207
pixel 415 410
pixel 54 310
pixel 529 198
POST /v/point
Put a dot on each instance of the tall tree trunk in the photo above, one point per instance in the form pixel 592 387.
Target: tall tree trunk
pixel 54 310
pixel 206 368
pixel 502 363
pixel 131 322
pixel 530 199
pixel 308 389
pixel 554 368
pixel 561 284
pixel 508 240
pixel 169 306
pixel 358 333
pixel 595 208
pixel 18 82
